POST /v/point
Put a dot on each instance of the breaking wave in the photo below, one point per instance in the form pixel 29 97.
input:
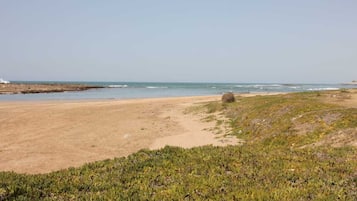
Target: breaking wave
pixel 322 89
pixel 151 87
pixel 118 86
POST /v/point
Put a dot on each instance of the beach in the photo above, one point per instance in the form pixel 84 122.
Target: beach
pixel 272 138
pixel 45 136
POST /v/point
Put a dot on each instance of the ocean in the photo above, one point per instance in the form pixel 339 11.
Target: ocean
pixel 132 90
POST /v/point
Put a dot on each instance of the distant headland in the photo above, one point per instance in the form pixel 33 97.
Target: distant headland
pixel 354 82
pixel 17 88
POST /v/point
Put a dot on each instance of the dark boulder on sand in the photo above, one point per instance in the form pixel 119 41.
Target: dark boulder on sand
pixel 228 98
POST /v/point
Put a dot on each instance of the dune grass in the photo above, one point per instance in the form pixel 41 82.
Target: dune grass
pixel 282 159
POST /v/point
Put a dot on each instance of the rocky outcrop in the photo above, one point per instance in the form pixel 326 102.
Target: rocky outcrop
pixel 14 88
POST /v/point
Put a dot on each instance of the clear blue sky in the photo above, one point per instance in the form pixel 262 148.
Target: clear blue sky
pixel 203 41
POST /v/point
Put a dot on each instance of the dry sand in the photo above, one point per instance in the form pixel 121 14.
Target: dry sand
pixel 40 137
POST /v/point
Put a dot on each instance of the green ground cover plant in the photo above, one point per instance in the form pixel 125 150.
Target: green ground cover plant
pixel 283 159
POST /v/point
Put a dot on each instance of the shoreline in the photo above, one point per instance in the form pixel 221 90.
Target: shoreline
pixel 242 94
pixel 103 90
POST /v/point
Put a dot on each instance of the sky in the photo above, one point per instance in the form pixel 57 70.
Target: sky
pixel 237 41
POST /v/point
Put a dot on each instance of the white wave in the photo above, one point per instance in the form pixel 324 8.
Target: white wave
pixel 322 89
pixel 276 85
pixel 118 86
pixel 267 85
pixel 258 85
pixel 151 87
pixel 243 86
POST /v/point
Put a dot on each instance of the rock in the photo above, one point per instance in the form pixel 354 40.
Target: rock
pixel 228 98
pixel 14 88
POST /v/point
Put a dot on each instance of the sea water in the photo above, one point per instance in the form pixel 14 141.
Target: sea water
pixel 129 90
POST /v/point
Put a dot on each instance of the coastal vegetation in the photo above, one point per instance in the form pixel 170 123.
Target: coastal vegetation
pixel 298 146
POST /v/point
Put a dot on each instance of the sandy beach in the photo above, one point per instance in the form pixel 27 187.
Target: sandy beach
pixel 44 136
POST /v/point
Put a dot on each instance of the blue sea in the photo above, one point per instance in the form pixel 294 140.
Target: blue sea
pixel 130 90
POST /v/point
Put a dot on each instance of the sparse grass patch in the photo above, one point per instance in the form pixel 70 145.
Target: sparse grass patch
pixel 213 107
pixel 209 118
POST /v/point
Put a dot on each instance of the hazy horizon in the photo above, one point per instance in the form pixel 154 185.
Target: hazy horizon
pixel 184 41
pixel 189 82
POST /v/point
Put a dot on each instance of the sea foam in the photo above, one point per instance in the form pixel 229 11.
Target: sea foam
pixel 322 89
pixel 118 86
pixel 151 87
